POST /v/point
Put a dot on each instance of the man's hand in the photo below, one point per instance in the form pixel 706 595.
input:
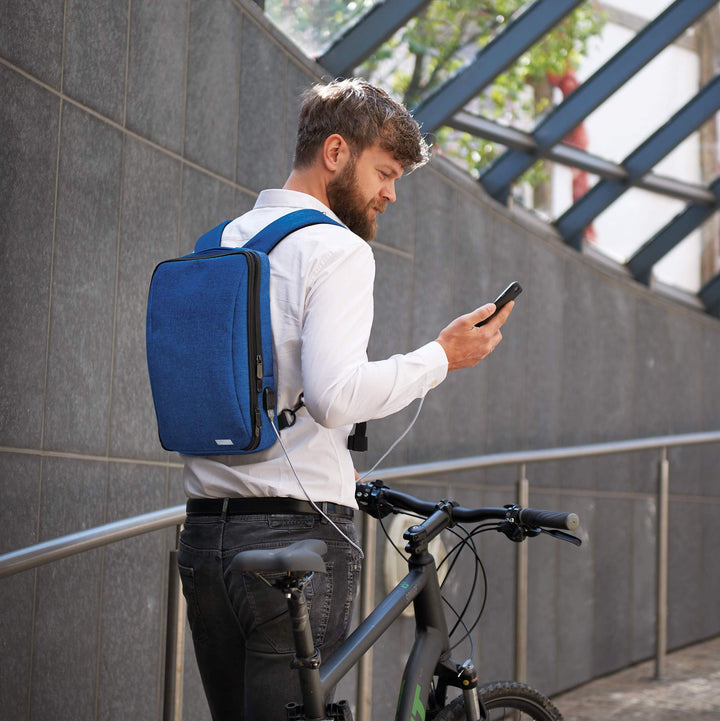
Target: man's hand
pixel 464 344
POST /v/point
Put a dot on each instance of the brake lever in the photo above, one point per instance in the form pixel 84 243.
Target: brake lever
pixel 561 535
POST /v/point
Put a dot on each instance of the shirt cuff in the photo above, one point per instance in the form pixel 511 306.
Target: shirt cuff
pixel 434 358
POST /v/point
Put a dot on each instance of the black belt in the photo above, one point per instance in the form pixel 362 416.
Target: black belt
pixel 261 506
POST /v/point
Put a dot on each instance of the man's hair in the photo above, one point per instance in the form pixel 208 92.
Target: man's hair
pixel 363 115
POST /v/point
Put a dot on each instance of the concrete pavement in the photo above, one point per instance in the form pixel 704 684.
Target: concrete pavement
pixel 690 690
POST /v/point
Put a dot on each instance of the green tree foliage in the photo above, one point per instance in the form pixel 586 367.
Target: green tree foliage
pixel 436 43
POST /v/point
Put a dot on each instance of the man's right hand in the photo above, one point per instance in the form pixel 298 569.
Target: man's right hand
pixel 464 344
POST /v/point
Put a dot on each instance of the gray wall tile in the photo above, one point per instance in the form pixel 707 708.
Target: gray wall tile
pixel 28 158
pixel 506 367
pixel 710 590
pixel 95 53
pixel 213 81
pixel 31 37
pixel 710 379
pixel 148 234
pixel 68 592
pixel 83 285
pixel 16 621
pixel 397 227
pixel 543 376
pixel 644 545
pixel 651 412
pixel 616 338
pixel 133 601
pixel 156 71
pixel 580 355
pixel 206 202
pixel 576 597
pixel 613 584
pixel 685 563
pixel 20 493
pixel 544 624
pixel 494 653
pixel 261 159
pixel 65 639
pixel 298 81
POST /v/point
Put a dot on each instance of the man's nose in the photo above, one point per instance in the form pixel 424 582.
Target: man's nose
pixel 388 192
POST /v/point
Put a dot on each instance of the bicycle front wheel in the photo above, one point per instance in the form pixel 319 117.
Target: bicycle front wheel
pixel 506 701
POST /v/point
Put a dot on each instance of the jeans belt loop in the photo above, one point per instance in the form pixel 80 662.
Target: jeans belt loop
pixel 223 514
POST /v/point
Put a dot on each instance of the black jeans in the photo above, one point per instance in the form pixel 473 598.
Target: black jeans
pixel 240 626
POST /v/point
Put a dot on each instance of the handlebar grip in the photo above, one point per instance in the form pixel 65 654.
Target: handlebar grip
pixel 549 519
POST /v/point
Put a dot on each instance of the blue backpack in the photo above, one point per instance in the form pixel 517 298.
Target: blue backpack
pixel 209 343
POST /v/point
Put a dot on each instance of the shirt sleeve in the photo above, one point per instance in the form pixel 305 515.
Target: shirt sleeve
pixel 341 386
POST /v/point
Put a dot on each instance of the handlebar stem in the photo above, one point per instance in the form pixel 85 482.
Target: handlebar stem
pixel 419 536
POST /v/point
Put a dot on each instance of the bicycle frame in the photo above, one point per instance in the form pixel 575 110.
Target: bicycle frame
pixel 420 587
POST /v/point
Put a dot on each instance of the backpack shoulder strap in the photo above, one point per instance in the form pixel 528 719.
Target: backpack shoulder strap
pixel 272 234
pixel 211 239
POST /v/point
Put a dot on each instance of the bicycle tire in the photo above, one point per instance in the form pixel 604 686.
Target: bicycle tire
pixel 501 700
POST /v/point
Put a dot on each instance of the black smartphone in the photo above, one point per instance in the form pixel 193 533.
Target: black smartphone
pixel 510 293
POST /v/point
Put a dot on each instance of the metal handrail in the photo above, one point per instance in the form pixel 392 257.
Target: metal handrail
pixel 48 551
pixel 42 553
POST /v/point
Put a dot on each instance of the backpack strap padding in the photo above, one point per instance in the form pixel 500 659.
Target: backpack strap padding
pixel 272 234
pixel 212 238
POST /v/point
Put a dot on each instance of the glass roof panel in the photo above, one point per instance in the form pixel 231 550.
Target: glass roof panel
pixel 312 26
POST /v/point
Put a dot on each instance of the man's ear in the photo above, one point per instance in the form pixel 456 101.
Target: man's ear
pixel 335 152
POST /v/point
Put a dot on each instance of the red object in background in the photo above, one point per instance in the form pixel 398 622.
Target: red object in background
pixel 578 138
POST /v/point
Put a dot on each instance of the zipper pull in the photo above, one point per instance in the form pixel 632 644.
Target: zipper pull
pixel 258 372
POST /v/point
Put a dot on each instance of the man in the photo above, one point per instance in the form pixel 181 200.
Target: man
pixel 354 143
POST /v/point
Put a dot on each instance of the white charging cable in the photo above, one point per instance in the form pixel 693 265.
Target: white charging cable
pixel 271 416
pixel 389 450
pixel 310 500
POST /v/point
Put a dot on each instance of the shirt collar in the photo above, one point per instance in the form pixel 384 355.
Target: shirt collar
pixel 281 198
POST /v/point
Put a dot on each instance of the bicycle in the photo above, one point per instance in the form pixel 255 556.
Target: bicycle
pixel 429 671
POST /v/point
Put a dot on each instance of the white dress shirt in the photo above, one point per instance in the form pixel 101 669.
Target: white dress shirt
pixel 321 305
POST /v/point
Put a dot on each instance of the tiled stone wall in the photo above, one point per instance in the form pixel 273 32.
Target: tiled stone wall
pixel 127 129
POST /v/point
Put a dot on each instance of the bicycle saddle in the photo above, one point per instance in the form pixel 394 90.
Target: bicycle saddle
pixel 300 557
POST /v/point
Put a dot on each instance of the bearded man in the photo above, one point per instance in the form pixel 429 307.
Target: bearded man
pixel 354 143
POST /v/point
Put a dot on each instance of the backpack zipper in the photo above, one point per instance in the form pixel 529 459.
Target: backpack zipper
pixel 255 359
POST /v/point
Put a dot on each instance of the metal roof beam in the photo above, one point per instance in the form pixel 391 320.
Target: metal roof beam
pixel 594 91
pixel 710 295
pixel 576 158
pixel 506 47
pixel 370 31
pixel 573 222
pixel 641 263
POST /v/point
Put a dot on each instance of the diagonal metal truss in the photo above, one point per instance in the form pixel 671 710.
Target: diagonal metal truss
pixel 694 215
pixel 522 33
pixel 581 159
pixel 368 33
pixel 573 222
pixel 594 91
pixel 445 107
pixel 710 295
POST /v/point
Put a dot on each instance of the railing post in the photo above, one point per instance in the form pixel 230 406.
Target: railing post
pixel 174 641
pixel 661 608
pixel 521 588
pixel 363 692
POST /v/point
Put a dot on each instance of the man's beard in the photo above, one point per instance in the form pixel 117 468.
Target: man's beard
pixel 347 203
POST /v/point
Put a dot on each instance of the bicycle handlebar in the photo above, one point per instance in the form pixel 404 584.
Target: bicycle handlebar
pixel 379 500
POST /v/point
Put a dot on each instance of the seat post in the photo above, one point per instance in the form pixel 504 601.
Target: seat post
pixel 307 657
